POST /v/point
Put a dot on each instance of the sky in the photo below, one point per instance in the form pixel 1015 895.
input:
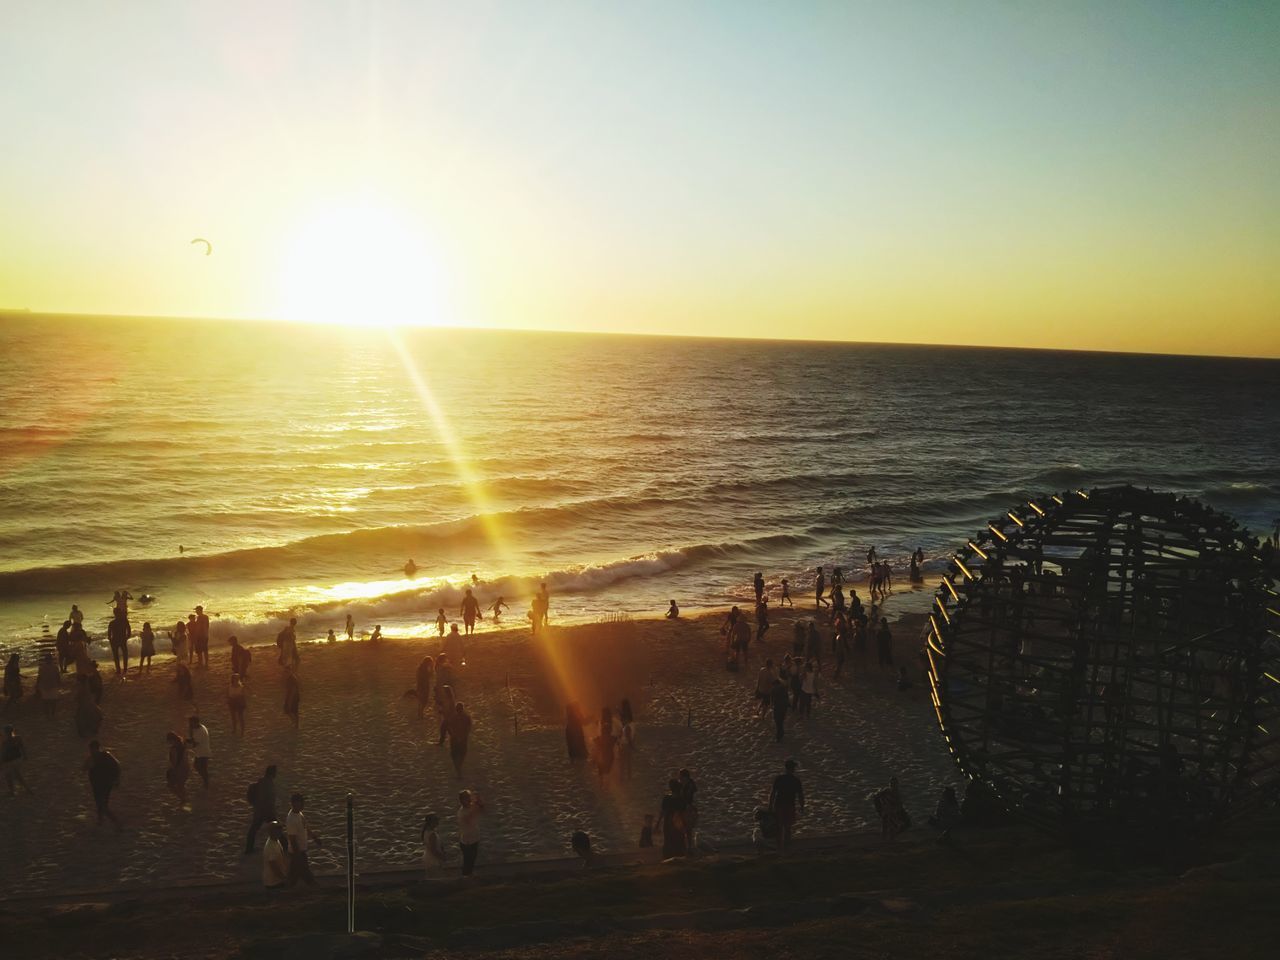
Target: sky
pixel 1080 175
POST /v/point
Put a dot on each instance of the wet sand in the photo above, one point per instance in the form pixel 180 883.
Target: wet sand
pixel 359 734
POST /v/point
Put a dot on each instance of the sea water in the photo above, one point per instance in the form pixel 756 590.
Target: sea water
pixel 274 470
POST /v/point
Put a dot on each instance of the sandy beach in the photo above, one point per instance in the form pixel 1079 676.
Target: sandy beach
pixel 359 734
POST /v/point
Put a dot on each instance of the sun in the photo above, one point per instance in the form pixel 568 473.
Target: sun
pixel 362 264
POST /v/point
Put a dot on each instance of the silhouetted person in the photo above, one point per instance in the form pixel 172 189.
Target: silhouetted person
pixel 819 587
pixel 757 583
pixel 673 612
pixel 146 647
pixel 498 606
pixel 287 644
pixel 786 601
pixel 470 611
pixel 104 775
pixel 262 798
pixel 202 637
pixel 410 568
pixel 351 628
pixel 241 657
pixel 300 837
pixel 884 643
pixel 786 797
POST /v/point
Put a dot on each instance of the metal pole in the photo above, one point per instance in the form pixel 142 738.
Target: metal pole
pixel 351 865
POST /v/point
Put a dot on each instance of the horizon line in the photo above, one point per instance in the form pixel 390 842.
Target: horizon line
pixel 19 312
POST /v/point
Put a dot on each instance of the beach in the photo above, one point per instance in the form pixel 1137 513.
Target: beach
pixel 359 734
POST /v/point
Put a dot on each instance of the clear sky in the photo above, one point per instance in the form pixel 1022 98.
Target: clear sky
pixel 1090 175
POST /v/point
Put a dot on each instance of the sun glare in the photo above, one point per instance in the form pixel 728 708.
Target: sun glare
pixel 362 264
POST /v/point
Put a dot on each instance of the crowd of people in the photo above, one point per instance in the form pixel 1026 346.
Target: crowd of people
pixel 790 685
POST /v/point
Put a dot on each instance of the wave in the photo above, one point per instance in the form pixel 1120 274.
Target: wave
pixel 317 616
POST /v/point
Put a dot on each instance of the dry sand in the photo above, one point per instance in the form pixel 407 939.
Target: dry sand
pixel 359 734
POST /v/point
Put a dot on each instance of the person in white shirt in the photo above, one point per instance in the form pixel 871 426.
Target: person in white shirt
pixel 469 810
pixel 275 862
pixel 198 740
pixel 300 837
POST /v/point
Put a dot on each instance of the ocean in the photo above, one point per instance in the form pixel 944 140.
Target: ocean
pixel 298 468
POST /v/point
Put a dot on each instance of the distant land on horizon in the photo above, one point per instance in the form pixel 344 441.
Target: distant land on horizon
pixel 53 314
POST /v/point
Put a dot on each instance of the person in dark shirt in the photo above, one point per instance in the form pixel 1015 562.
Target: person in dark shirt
pixel 785 797
pixel 104 775
pixel 262 795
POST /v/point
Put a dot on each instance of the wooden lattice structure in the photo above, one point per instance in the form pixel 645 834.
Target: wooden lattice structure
pixel 1108 660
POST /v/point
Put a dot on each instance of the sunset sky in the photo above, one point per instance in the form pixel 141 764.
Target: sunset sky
pixel 1087 175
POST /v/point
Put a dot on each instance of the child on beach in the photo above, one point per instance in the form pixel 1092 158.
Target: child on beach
pixel 147 650
pixel 441 620
pixel 786 594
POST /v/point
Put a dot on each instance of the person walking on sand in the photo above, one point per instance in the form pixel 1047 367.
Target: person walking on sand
pixel 780 701
pixel 103 770
pixel 786 798
pixel 241 657
pixel 470 610
pixel 459 734
pixel 12 755
pixel 62 646
pixel 236 703
pixel 470 809
pixel 445 707
pixel 762 618
pixel 671 822
pixel 424 683
pixel 441 621
pixel 786 600
pixel 292 696
pixel 202 638
pixel 275 861
pixel 757 583
pixel 884 643
pixel 813 644
pixel 262 798
pixel 287 644
pixel 351 628
pixel 12 683
pixel 48 685
pixel 819 587
pixel 177 772
pixel 300 837
pixel 198 740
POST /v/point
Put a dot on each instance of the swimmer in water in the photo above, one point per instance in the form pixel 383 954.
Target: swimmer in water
pixel 410 568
